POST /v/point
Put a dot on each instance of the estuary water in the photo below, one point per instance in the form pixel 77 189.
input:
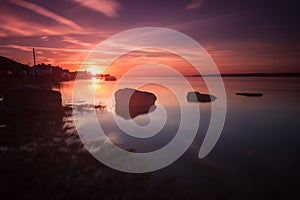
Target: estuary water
pixel 256 156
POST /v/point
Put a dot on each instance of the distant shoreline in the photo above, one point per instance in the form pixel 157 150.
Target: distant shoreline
pixel 251 75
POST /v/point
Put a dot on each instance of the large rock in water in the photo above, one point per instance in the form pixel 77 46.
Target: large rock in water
pixel 30 99
pixel 131 103
pixel 198 97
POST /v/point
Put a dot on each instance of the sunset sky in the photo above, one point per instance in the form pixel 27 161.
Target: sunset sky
pixel 241 36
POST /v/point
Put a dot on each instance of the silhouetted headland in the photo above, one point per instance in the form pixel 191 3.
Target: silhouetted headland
pixel 198 97
pixel 131 103
pixel 30 99
pixel 14 73
pixel 25 89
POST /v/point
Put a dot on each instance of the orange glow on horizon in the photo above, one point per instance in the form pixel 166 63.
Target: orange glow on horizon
pixel 94 70
pixel 150 56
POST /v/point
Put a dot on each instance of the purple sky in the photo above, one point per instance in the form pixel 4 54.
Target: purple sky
pixel 241 36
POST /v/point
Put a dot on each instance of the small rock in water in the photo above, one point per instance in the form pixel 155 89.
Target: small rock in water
pixel 249 94
pixel 198 97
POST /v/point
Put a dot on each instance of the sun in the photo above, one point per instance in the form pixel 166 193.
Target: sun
pixel 94 71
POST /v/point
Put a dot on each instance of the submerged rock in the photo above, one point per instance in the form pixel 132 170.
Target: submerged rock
pixel 30 99
pixel 249 94
pixel 131 103
pixel 198 97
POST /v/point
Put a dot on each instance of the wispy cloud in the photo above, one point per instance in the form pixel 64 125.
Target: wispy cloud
pixel 42 11
pixel 74 41
pixel 30 28
pixel 13 25
pixel 15 30
pixel 29 48
pixel 2 33
pixel 194 4
pixel 67 58
pixel 45 38
pixel 109 8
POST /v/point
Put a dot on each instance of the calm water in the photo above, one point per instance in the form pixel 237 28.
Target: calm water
pixel 257 155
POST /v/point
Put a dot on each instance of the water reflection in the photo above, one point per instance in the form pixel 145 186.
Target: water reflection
pixel 248 139
pixel 94 81
pixel 45 152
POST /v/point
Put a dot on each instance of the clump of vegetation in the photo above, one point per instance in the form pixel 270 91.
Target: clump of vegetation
pixel 42 157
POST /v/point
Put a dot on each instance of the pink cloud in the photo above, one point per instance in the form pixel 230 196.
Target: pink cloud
pixel 29 48
pixel 74 41
pixel 13 25
pixel 109 8
pixel 194 4
pixel 29 28
pixel 44 12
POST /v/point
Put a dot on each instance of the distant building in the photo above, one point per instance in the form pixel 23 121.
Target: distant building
pixel 65 76
pixel 10 68
pixel 41 70
pixel 83 75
